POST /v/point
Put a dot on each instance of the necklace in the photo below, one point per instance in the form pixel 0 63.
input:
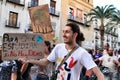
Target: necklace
pixel 68 50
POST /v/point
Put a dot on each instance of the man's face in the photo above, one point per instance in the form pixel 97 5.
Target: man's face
pixel 110 52
pixel 106 46
pixel 67 35
pixel 98 51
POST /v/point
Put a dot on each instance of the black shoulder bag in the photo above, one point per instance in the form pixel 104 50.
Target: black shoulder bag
pixel 54 74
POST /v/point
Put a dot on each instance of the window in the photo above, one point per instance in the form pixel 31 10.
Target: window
pixel 79 14
pixel 108 38
pixel 119 44
pixel 71 13
pixel 13 19
pixel 114 30
pixel 34 3
pixel 52 6
pixel 95 23
pixel 15 1
pixel 84 18
pixel 96 35
pixel 88 1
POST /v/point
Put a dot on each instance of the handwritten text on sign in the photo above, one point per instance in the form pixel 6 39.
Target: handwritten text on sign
pixel 17 45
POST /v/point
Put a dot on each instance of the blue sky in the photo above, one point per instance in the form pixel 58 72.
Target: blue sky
pixel 116 3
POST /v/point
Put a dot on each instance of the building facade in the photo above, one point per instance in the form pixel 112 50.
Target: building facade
pixel 75 11
pixel 110 35
pixel 14 18
pixel 14 15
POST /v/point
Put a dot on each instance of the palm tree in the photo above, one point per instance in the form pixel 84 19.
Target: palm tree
pixel 116 17
pixel 102 13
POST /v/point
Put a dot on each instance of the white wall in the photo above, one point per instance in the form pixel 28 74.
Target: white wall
pixel 54 20
pixel 23 17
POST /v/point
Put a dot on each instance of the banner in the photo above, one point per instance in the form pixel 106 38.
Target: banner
pixel 40 20
pixel 17 45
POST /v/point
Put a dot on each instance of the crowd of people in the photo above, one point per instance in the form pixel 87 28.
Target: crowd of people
pixel 80 61
pixel 18 70
pixel 108 59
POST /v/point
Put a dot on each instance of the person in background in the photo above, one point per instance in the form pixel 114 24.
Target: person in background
pixel 23 70
pixel 89 72
pixel 26 72
pixel 0 55
pixel 8 70
pixel 71 68
pixel 111 62
pixel 44 72
pixel 106 48
pixel 97 55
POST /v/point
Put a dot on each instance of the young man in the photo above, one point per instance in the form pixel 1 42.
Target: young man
pixel 111 62
pixel 71 68
pixel 106 48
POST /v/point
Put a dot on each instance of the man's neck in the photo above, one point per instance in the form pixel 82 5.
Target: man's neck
pixel 70 47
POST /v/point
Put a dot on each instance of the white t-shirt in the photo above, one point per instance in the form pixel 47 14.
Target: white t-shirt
pixel 71 69
pixel 107 61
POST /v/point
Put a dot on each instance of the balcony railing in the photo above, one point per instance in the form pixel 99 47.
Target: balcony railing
pixel 30 28
pixel 54 12
pixel 112 41
pixel 108 40
pixel 96 37
pixel 114 34
pixel 107 32
pixel 77 19
pixel 96 27
pixel 31 5
pixel 18 2
pixel 7 23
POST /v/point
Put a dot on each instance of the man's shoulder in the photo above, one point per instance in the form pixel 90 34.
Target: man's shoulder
pixel 82 51
pixel 60 45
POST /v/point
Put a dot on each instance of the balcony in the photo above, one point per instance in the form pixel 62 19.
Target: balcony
pixel 107 32
pixel 114 34
pixel 96 37
pixel 77 20
pixel 30 27
pixel 108 40
pixel 112 41
pixel 17 2
pixel 54 12
pixel 96 27
pixel 30 4
pixel 7 24
pixel 1 1
pixel 115 40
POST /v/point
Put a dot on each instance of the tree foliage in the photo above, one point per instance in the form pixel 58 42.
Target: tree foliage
pixel 102 13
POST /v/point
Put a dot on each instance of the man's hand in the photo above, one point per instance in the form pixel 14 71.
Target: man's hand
pixel 24 60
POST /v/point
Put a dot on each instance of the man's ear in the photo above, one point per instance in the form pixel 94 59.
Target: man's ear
pixel 75 34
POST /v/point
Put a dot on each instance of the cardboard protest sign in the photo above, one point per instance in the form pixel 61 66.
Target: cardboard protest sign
pixel 17 45
pixel 40 20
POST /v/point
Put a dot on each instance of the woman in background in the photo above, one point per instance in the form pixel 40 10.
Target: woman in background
pixel 43 71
